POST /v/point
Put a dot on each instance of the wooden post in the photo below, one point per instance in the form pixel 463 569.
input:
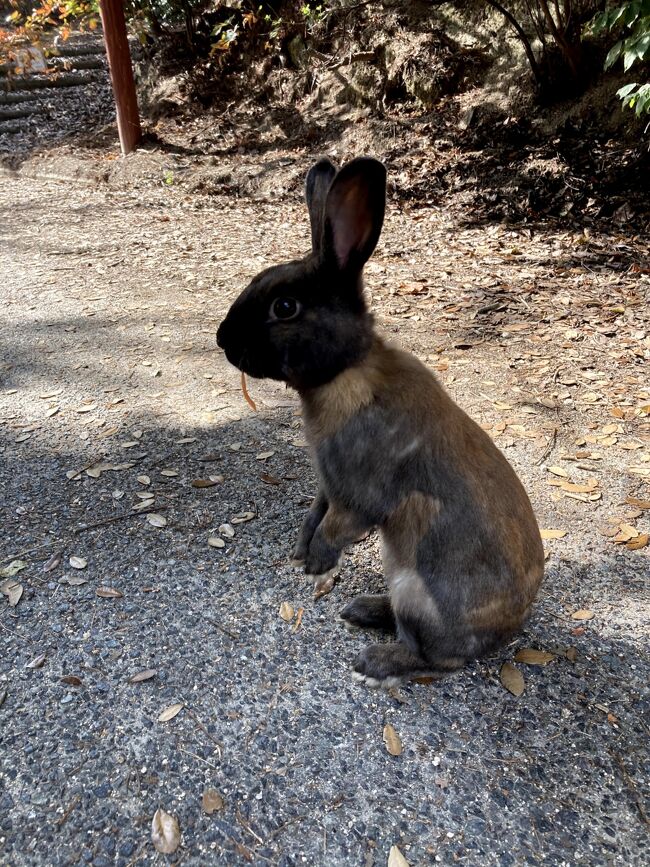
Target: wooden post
pixel 119 63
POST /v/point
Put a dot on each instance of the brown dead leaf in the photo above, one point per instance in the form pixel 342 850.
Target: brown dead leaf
pixel 73 580
pixel 324 584
pixel 534 657
pixel 392 740
pixel 571 654
pixel 71 680
pixel 53 562
pixel 165 832
pixel 558 471
pixel 141 676
pixel 268 479
pixel 640 504
pixel 582 614
pixel 512 679
pixel 13 590
pixel 396 859
pixel 204 483
pixel 109 593
pixel 286 611
pixel 298 622
pixel 242 517
pixel 212 802
pixel 553 534
pixel 170 712
pixel 640 542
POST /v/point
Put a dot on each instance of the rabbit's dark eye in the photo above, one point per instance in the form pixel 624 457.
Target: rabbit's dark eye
pixel 285 308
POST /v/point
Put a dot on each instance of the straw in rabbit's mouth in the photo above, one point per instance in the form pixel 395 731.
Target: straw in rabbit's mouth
pixel 249 400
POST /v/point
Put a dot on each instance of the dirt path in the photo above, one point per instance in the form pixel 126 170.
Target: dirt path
pixel 109 369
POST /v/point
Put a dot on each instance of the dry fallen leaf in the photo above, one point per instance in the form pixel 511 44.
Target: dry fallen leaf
pixel 109 593
pixel 263 456
pixel 534 657
pixel 169 473
pixel 640 504
pixel 216 542
pixel 212 801
pixel 204 483
pixel 12 569
pixel 553 534
pixel 71 680
pixel 53 562
pixel 78 562
pixel 582 614
pixel 144 480
pixel 147 674
pixel 558 471
pixel 640 542
pixel 13 590
pixel 286 611
pixel 165 832
pixel 156 520
pixel 242 517
pixel 37 662
pixel 396 859
pixel 170 712
pixel 268 479
pixel 512 679
pixel 298 622
pixel 324 584
pixel 227 530
pixel 73 580
pixel 392 740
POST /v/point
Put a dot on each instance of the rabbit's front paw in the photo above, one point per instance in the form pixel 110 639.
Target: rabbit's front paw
pixel 371 612
pixel 321 557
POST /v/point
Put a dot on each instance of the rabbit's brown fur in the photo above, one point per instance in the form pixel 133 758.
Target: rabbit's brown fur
pixel 462 553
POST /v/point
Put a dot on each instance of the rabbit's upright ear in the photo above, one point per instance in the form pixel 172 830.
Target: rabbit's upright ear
pixel 354 213
pixel 319 180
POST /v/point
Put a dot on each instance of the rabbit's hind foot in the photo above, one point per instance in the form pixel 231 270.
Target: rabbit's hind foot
pixel 388 665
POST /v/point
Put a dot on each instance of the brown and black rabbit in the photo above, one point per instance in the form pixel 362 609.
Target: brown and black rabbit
pixel 462 552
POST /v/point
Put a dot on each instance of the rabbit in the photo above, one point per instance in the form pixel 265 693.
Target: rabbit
pixel 462 552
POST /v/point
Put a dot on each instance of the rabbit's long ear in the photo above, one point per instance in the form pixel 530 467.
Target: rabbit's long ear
pixel 354 213
pixel 318 182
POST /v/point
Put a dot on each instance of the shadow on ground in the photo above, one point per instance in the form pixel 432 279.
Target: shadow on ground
pixel 271 718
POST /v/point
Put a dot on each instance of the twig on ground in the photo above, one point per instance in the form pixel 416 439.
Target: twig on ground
pixel 119 517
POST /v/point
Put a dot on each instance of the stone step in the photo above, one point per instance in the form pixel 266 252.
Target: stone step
pixel 72 63
pixel 39 82
pixel 13 97
pixel 17 111
pixel 78 46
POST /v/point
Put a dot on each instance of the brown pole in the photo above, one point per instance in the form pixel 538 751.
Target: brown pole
pixel 119 63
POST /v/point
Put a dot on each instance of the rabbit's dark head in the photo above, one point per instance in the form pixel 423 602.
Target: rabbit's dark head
pixel 305 321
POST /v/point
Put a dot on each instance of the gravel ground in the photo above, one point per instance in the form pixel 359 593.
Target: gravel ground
pixel 110 305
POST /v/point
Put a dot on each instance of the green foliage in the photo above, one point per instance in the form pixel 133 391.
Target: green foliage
pixel 631 23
